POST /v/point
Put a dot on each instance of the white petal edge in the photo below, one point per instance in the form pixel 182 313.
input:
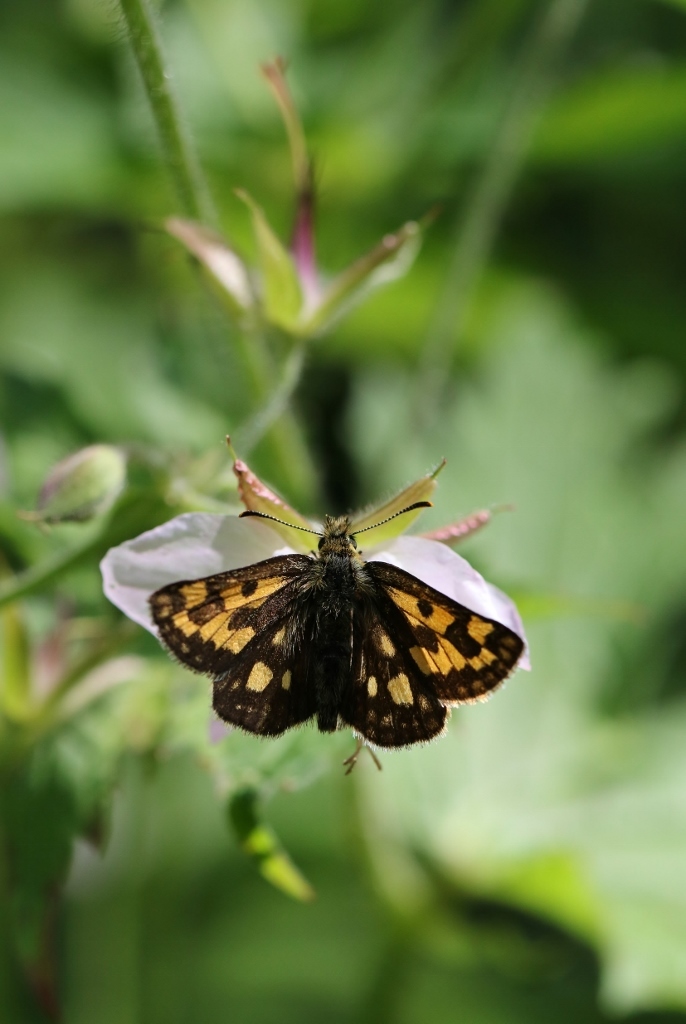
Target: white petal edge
pixel 446 571
pixel 188 547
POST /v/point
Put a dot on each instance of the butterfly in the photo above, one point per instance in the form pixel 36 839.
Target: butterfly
pixel 332 637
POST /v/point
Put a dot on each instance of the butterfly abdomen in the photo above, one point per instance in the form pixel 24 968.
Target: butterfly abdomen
pixel 332 638
pixel 331 659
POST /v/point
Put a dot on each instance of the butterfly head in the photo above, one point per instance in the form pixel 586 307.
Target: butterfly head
pixel 337 538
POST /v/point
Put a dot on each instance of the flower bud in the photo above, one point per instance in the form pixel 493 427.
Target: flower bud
pixel 82 485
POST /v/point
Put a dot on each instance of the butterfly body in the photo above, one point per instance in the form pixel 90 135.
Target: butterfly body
pixel 332 637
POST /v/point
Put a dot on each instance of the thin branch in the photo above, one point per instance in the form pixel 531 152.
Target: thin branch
pixel 40 575
pixel 253 431
pixel 476 229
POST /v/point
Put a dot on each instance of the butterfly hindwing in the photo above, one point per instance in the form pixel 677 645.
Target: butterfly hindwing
pixel 389 702
pixel 463 655
pixel 267 688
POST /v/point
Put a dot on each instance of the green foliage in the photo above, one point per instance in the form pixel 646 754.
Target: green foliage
pixel 543 797
pixel 527 867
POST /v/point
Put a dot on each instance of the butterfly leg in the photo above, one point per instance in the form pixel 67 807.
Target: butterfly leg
pixel 352 760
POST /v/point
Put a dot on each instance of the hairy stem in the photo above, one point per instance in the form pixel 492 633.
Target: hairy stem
pixel 186 173
pixel 177 146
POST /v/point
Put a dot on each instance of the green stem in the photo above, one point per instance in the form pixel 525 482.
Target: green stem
pixel 106 648
pixel 38 576
pixel 476 230
pixel 277 403
pixel 177 146
pixel 274 418
pixel 195 200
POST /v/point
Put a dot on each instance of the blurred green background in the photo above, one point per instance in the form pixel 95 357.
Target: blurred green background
pixel 531 866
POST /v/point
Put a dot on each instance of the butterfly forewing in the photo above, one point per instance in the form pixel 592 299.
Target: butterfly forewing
pixel 462 655
pixel 236 627
pixel 206 623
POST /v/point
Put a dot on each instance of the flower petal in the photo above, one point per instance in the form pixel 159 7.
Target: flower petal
pixel 450 574
pixel 217 730
pixel 190 546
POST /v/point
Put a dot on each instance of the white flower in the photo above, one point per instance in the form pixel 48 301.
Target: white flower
pixel 199 544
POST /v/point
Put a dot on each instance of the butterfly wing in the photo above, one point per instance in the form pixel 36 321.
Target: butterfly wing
pixel 462 655
pixel 268 687
pixel 242 629
pixel 389 702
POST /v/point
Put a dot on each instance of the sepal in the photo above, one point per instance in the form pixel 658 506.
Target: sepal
pixel 420 490
pixel 257 497
pixel 390 259
pixel 281 293
pixel 221 263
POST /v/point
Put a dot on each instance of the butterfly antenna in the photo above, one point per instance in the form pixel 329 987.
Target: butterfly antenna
pixel 291 526
pixel 410 508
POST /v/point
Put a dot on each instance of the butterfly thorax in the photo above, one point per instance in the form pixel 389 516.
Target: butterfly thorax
pixel 338 570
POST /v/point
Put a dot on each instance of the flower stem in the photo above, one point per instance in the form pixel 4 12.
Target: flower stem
pixel 186 173
pixel 36 577
pixel 177 146
pixel 277 403
pixel 476 229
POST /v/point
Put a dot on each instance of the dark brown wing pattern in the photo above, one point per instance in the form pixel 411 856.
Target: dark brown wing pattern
pixel 389 702
pixel 267 689
pixel 234 626
pixel 462 656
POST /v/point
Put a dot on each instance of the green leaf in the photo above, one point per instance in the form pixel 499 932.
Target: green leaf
pixel 15 684
pixel 281 294
pixel 676 3
pixel 58 145
pixel 260 843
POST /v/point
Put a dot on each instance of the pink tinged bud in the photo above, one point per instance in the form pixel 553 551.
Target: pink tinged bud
pixel 463 528
pixel 81 486
pixel 303 249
